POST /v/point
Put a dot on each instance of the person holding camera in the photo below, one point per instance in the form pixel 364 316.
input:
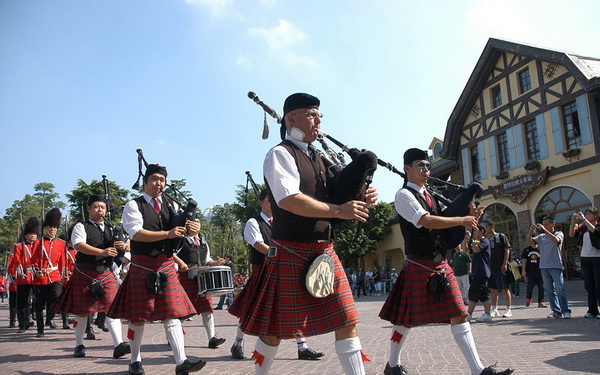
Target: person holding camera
pixel 588 230
pixel 550 243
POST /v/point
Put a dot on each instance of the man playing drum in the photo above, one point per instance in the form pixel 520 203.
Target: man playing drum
pixel 282 308
pixel 195 253
pixel 412 302
pixel 151 290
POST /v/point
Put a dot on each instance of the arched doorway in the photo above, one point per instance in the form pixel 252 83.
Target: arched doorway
pixel 561 203
pixel 506 222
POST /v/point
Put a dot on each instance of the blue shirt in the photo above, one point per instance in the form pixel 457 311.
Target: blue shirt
pixel 481 260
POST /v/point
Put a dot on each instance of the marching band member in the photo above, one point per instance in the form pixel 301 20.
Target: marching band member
pixel 281 308
pixel 257 233
pixel 410 303
pixel 194 253
pixel 93 285
pixel 24 277
pixel 48 264
pixel 151 290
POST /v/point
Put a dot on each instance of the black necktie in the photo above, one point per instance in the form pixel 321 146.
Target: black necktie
pixel 312 151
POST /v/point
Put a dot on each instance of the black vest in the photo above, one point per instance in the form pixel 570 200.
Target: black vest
pixel 313 180
pixel 99 239
pixel 420 243
pixel 256 257
pixel 154 222
pixel 192 254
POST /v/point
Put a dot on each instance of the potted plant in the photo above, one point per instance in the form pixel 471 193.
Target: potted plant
pixel 571 153
pixel 502 175
pixel 532 165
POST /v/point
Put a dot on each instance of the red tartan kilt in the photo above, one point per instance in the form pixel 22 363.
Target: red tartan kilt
pixel 239 303
pixel 202 304
pixel 135 302
pixel 75 298
pixel 282 307
pixel 410 304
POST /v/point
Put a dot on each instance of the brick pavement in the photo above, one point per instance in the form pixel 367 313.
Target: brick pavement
pixel 528 342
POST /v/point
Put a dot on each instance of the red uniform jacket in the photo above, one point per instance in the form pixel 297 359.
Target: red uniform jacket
pixel 22 256
pixel 51 260
pixel 11 273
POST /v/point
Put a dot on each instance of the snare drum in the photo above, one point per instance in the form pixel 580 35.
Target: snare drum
pixel 214 281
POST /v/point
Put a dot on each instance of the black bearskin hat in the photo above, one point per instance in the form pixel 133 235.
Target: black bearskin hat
pixel 413 154
pixel 155 168
pixel 32 225
pixel 53 218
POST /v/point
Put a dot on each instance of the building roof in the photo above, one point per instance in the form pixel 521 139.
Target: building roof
pixel 586 71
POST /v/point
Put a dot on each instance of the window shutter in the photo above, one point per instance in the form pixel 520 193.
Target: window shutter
pixel 493 163
pixel 541 136
pixel 466 166
pixel 510 143
pixel 520 145
pixel 481 155
pixel 584 120
pixel 557 131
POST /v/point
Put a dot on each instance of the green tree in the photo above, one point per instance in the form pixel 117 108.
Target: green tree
pixel 37 204
pixel 79 196
pixel 350 248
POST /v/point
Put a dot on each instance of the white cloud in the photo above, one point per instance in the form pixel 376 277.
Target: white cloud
pixel 242 61
pixel 216 6
pixel 281 40
pixel 268 3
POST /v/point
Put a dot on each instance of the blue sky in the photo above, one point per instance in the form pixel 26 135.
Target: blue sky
pixel 83 84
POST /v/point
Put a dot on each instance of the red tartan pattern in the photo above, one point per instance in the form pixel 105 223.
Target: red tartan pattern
pixel 76 299
pixel 282 307
pixel 202 304
pixel 138 304
pixel 410 304
pixel 240 302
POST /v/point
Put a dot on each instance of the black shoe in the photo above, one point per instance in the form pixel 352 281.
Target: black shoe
pixel 51 324
pixel 11 325
pixel 21 330
pixel 188 366
pixel 237 352
pixel 121 349
pixel 309 354
pixel 215 342
pixel 66 326
pixel 136 368
pixel 491 371
pixel 39 334
pixel 398 370
pixel 218 308
pixel 79 351
pixel 90 335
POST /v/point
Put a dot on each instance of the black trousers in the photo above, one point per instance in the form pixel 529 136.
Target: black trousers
pixel 590 267
pixel 45 296
pixel 23 292
pixel 533 282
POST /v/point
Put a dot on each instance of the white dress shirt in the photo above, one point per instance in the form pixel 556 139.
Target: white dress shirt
pixel 252 230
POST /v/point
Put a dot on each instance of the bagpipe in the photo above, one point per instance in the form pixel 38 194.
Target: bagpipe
pixel 349 180
pixel 180 215
pixel 117 231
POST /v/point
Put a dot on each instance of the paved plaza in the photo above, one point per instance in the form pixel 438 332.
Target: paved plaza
pixel 528 342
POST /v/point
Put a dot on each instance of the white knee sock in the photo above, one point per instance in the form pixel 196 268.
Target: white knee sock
pixel 263 356
pixel 399 334
pixel 208 320
pixel 115 330
pixel 301 343
pixel 135 334
pixel 464 338
pixel 174 332
pixel 80 322
pixel 239 337
pixel 350 355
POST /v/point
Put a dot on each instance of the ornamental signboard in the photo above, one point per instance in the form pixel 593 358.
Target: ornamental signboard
pixel 518 188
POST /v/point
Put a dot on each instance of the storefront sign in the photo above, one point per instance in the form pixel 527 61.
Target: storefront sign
pixel 518 188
